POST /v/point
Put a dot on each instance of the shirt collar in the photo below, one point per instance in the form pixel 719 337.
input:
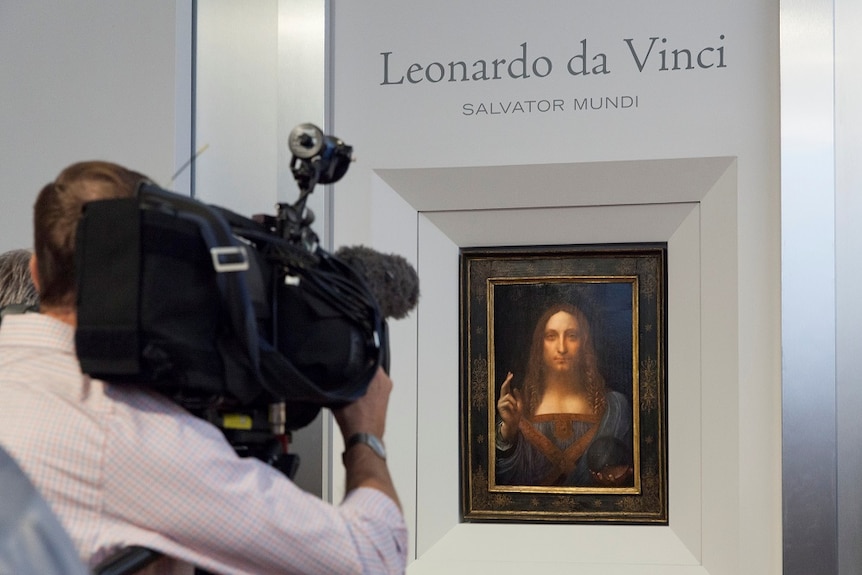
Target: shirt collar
pixel 35 329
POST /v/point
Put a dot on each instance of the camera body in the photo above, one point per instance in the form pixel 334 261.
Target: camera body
pixel 246 322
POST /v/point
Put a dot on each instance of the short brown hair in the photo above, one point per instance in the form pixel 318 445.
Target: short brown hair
pixel 55 220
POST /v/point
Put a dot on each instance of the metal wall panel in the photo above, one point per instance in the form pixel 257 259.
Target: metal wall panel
pixel 808 288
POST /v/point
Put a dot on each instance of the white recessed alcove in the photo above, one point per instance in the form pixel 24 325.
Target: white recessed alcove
pixel 556 185
pixel 690 203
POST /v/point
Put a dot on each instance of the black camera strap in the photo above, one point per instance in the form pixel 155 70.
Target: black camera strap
pixel 108 273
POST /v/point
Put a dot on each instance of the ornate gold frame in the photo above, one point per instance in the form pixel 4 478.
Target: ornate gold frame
pixel 502 292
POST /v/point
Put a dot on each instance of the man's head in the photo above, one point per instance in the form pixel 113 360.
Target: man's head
pixel 55 220
pixel 16 287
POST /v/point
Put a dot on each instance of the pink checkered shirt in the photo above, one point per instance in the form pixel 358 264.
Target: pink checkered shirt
pixel 123 466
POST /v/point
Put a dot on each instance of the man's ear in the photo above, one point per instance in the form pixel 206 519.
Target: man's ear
pixel 34 272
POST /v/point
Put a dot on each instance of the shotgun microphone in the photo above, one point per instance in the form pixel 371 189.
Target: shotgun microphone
pixel 390 277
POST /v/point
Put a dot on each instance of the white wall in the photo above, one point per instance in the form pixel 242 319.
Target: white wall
pixel 260 71
pixel 87 80
pixel 433 177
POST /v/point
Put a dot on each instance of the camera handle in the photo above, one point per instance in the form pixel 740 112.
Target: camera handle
pixel 316 158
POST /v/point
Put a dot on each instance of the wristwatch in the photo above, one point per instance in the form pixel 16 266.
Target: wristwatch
pixel 368 439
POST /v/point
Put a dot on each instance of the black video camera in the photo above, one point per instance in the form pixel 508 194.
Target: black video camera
pixel 246 322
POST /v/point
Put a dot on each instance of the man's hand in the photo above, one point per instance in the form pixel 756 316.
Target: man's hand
pixel 367 414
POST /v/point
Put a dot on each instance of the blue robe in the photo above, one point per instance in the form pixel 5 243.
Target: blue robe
pixel 554 449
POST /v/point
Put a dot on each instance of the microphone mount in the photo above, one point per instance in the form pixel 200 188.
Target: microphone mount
pixel 317 158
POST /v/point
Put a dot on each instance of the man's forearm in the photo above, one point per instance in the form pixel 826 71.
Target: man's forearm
pixel 367 469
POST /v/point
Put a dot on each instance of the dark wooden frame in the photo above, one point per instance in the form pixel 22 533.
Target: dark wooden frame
pixel 502 293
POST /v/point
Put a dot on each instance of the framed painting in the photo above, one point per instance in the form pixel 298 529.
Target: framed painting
pixel 563 384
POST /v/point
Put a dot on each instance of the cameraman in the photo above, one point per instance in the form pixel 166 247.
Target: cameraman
pixel 123 466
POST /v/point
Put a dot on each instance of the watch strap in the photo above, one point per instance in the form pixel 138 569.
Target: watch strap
pixel 368 439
